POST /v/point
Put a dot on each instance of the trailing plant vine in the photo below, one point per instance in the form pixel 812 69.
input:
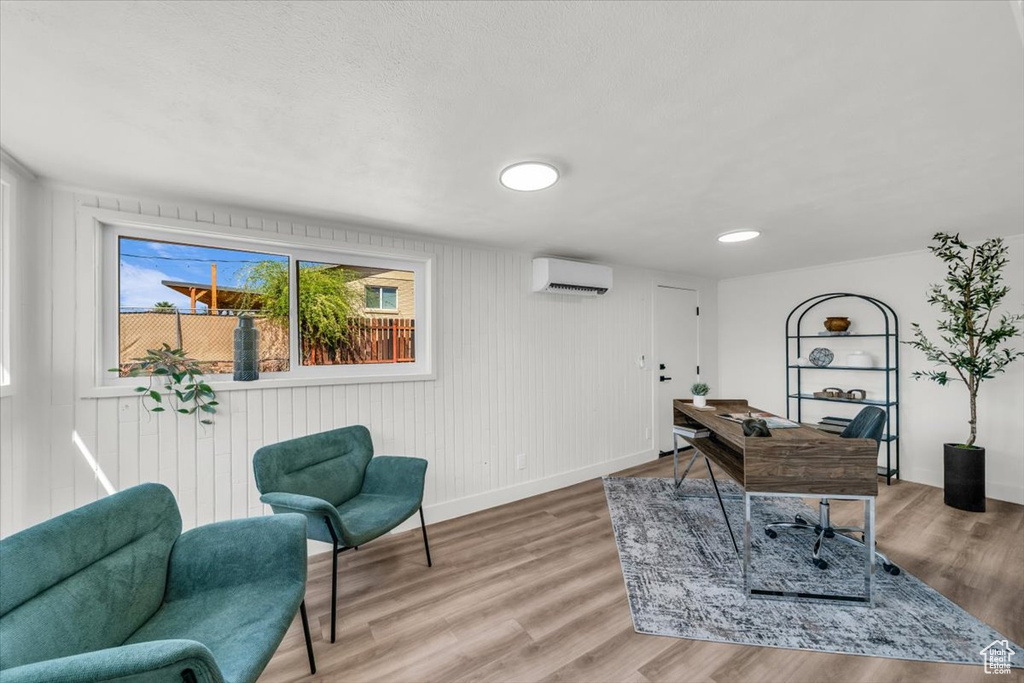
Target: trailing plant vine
pixel 175 382
pixel 974 343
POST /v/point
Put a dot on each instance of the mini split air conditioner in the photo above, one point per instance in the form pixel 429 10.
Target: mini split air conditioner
pixel 559 276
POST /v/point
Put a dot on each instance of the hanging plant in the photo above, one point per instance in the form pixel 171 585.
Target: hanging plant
pixel 175 382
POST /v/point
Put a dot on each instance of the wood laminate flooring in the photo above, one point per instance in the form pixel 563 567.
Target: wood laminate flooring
pixel 532 591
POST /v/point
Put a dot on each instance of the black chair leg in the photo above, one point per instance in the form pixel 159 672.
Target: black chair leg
pixel 334 590
pixel 426 545
pixel 309 642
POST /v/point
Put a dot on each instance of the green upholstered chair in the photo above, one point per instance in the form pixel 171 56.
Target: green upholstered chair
pixel 348 496
pixel 114 591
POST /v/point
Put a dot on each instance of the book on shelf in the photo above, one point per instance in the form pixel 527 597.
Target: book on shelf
pixel 839 421
pixel 831 428
pixel 692 431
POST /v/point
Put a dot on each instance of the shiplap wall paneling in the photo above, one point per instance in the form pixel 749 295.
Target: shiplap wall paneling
pixel 552 377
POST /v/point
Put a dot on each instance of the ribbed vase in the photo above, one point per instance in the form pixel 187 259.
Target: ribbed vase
pixel 247 350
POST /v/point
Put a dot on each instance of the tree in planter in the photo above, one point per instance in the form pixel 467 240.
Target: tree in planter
pixel 327 303
pixel 974 343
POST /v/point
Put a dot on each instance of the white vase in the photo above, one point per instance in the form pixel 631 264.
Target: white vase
pixel 700 401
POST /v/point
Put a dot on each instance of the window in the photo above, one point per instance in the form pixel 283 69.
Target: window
pixel 382 298
pixel 337 326
pixel 189 297
pixel 324 314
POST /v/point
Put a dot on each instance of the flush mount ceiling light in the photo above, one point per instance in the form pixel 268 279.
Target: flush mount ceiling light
pixel 738 236
pixel 529 176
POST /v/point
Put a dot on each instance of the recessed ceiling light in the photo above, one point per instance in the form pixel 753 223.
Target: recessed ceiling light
pixel 529 176
pixel 738 236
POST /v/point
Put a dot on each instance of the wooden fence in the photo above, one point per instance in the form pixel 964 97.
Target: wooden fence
pixel 371 340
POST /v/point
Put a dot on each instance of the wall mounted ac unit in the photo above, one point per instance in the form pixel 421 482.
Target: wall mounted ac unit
pixel 560 276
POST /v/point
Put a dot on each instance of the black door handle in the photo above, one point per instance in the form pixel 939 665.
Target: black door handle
pixel 663 378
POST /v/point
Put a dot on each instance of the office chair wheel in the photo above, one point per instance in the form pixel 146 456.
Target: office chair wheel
pixel 891 569
pixel 801 520
pixel 771 533
pixel 820 563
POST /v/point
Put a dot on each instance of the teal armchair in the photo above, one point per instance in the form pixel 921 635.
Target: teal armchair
pixel 348 496
pixel 114 590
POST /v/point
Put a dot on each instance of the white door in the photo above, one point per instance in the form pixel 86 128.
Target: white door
pixel 675 352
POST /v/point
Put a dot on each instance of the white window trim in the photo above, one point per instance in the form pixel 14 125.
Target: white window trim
pixel 8 186
pixel 98 291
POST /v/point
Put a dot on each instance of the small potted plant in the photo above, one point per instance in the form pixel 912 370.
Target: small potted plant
pixel 173 376
pixel 974 347
pixel 700 393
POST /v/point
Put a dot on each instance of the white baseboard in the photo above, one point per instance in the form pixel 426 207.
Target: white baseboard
pixel 993 489
pixel 459 507
pixel 450 509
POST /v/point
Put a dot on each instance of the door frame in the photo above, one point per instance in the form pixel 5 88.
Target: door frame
pixel 670 283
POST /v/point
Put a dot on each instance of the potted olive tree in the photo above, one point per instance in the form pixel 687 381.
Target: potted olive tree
pixel 974 346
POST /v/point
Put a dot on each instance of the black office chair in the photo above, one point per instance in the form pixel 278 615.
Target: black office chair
pixel 869 424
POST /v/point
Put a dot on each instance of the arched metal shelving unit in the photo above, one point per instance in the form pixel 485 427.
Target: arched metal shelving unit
pixel 795 336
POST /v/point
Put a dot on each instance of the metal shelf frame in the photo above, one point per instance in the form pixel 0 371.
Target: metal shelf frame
pixel 795 336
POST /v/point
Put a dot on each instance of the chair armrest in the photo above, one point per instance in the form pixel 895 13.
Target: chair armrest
pixel 314 509
pixel 238 552
pixel 159 660
pixel 392 475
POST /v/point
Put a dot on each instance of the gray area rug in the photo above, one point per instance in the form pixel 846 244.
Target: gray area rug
pixel 684 580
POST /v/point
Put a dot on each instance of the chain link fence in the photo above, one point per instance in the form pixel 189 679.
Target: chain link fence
pixel 209 339
pixel 206 337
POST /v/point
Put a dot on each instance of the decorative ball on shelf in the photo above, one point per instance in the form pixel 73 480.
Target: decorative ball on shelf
pixel 821 357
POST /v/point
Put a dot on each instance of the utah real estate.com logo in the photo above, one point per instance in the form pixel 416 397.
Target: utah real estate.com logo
pixel 997 657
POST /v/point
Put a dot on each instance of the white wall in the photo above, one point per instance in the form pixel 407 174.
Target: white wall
pixel 752 313
pixel 554 377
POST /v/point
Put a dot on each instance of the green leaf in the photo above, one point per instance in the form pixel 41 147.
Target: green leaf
pixel 141 389
pixel 155 395
pixel 158 409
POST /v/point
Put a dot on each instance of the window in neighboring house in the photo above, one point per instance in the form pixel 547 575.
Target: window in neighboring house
pixel 382 298
pixel 189 297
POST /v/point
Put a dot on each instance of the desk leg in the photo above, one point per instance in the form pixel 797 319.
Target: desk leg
pixel 746 544
pixel 869 549
pixel 675 458
pixel 721 504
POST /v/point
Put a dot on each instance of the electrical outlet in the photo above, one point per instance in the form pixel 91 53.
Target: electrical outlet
pixel 521 461
pixel 647 433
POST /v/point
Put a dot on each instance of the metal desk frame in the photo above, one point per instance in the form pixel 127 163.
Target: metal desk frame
pixel 867 598
pixel 869 552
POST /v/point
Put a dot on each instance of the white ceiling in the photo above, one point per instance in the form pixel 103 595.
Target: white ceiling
pixel 840 129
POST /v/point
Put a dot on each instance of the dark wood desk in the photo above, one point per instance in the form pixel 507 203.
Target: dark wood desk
pixel 796 462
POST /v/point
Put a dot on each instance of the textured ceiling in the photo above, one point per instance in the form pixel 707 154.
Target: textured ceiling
pixel 841 130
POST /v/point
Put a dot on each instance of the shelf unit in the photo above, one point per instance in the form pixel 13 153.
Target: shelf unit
pixel 795 394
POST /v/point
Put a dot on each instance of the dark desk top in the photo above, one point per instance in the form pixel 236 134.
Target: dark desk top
pixel 797 460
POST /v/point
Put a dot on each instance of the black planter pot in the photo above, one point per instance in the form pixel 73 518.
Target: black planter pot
pixel 964 477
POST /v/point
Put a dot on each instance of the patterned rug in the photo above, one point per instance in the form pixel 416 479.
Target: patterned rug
pixel 684 580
